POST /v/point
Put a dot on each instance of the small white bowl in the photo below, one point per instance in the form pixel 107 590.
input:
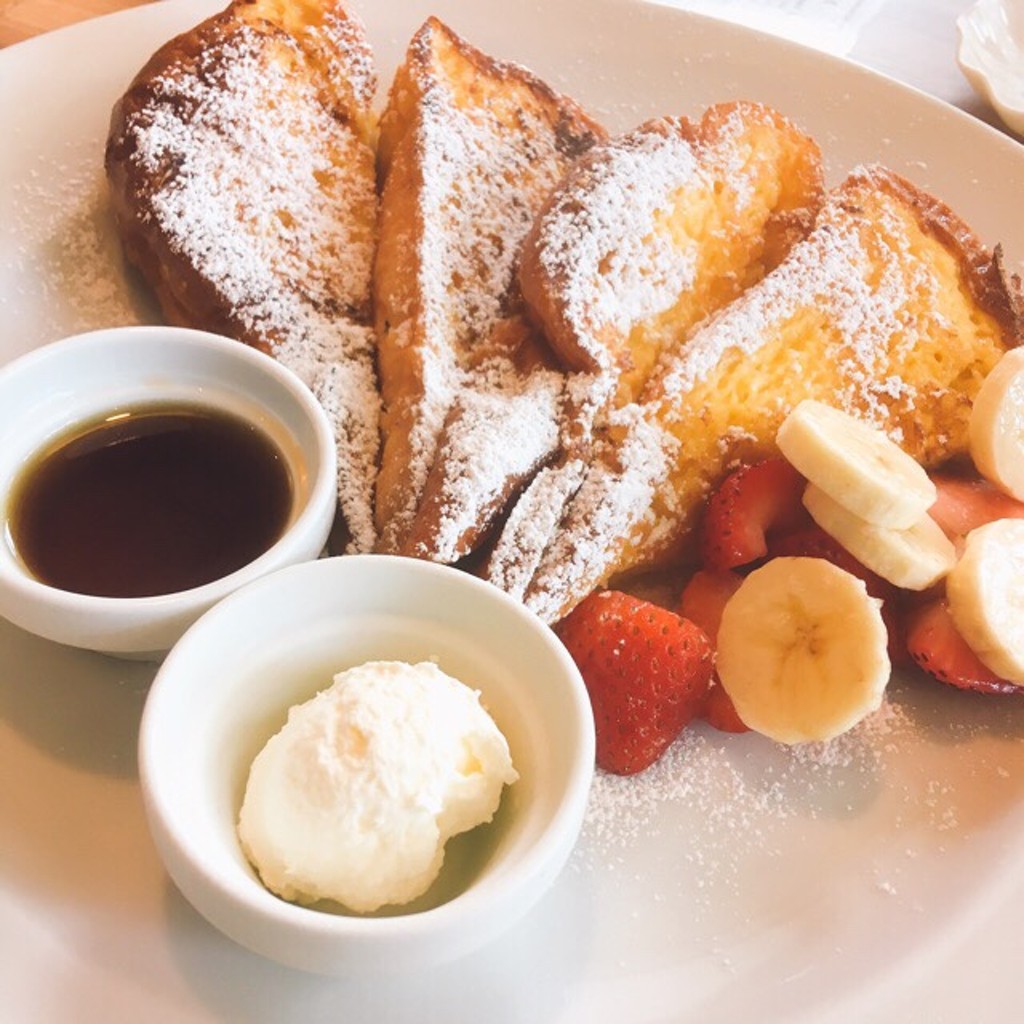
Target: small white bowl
pixel 226 687
pixel 991 56
pixel 48 391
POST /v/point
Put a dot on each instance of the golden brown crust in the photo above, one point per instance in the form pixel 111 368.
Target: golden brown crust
pixel 241 174
pixel 469 148
pixel 981 268
pixel 187 296
pixel 906 347
pixel 462 366
pixel 889 309
pixel 707 207
pixel 183 296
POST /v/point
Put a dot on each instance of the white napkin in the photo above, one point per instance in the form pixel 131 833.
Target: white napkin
pixel 830 25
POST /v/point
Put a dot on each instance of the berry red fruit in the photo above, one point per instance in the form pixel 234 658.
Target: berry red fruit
pixel 647 671
pixel 936 645
pixel 813 542
pixel 720 712
pixel 751 503
pixel 704 598
pixel 967 502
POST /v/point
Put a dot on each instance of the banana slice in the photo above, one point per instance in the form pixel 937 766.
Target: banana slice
pixel 912 558
pixel 856 465
pixel 802 650
pixel 986 596
pixel 996 433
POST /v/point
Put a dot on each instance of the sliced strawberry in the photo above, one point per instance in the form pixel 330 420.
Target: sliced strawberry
pixel 813 542
pixel 895 613
pixel 936 646
pixel 702 602
pixel 704 597
pixel 967 502
pixel 720 712
pixel 647 671
pixel 750 504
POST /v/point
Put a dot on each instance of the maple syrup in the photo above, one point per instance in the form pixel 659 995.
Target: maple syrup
pixel 152 500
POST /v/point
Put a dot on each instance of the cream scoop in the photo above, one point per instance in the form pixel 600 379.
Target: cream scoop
pixel 356 796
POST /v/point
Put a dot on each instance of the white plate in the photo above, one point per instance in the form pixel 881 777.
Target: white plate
pixel 875 880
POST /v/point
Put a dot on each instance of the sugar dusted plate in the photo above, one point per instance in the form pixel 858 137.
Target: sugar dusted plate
pixel 873 879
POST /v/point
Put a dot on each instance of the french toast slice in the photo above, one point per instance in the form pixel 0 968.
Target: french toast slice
pixel 649 234
pixel 470 147
pixel 241 169
pixel 656 229
pixel 496 435
pixel 891 309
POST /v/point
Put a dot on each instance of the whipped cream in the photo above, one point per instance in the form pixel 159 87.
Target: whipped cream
pixel 354 799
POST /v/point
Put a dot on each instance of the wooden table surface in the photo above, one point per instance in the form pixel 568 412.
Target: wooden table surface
pixel 22 19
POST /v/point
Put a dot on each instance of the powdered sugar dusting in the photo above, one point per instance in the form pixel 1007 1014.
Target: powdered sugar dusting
pixel 69 250
pixel 426 410
pixel 625 232
pixel 717 800
pixel 245 198
pixel 481 187
pixel 532 524
pixel 625 240
pixel 494 439
pixel 356 427
pixel 863 288
pixel 347 54
pixel 605 242
pixel 870 300
pixel 259 188
pixel 613 498
pixel 483 173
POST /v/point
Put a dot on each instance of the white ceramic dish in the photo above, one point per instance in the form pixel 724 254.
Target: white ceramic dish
pixel 71 382
pixel 227 686
pixel 877 880
pixel 991 56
